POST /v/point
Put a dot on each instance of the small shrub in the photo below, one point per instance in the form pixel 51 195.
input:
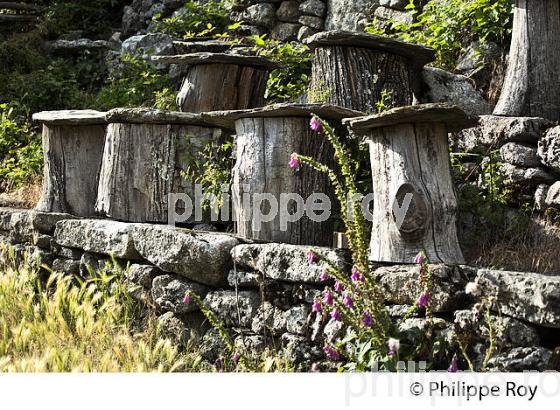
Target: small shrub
pixel 449 26
pixel 135 83
pixel 197 19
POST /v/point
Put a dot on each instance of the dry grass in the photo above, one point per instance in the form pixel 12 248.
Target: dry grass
pixel 25 197
pixel 535 248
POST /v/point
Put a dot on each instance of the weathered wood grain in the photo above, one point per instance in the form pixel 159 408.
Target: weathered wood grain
pixel 264 146
pixel 411 158
pixel 532 84
pixel 73 155
pixel 213 87
pixel 143 163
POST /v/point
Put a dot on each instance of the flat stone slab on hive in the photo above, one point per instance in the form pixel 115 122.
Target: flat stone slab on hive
pixel 207 46
pixel 217 58
pixel 154 116
pixel 329 112
pixel 417 54
pixel 452 116
pixel 70 117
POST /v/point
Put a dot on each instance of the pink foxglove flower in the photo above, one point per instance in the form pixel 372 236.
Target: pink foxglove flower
pixel 419 259
pixel 311 257
pixel 324 275
pixel 393 345
pixel 316 125
pixel 338 287
pixel 294 162
pixel 367 319
pixel 317 307
pixel 335 314
pixel 327 297
pixel 454 366
pixel 235 358
pixel 356 275
pixel 331 353
pixel 348 302
pixel 187 298
pixel 423 300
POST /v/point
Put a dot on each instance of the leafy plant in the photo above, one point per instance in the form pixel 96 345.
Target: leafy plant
pixel 135 83
pixel 197 19
pixel 449 26
pixel 21 157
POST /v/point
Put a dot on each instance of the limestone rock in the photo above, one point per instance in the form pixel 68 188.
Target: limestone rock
pixel 540 197
pixel 261 14
pixel 287 262
pixel 24 225
pixel 400 285
pixel 530 297
pixel 253 345
pixel 443 86
pixel 298 349
pixel 351 15
pixel 285 31
pixel 508 332
pixel 515 175
pixel 168 292
pixel 520 155
pixel 234 309
pixel 313 8
pixel 297 319
pixel 212 347
pixel 142 274
pixel 553 196
pixel 391 15
pixel 549 148
pixel 172 328
pixel 311 21
pixel 477 54
pixel 394 4
pixel 522 359
pixel 305 32
pixel 147 45
pixel 244 279
pixel 97 236
pixel 269 320
pixel 288 11
pixel 495 131
pixel 66 266
pixel 202 257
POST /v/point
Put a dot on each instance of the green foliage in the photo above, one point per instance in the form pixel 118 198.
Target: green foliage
pixel 21 156
pixel 211 167
pixel 94 18
pixel 197 19
pixel 449 26
pixel 136 83
pixel 290 81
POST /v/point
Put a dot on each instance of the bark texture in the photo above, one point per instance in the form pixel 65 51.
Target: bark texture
pixel 73 155
pixel 142 164
pixel 412 161
pixel 532 84
pixel 264 146
pixel 355 78
pixel 213 87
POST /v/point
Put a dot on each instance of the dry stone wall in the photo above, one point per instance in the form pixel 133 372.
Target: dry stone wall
pixel 263 292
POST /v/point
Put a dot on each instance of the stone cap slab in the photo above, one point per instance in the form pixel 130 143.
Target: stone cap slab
pixel 70 117
pixel 325 111
pixel 155 116
pixel 209 46
pixel 419 55
pixel 452 116
pixel 218 58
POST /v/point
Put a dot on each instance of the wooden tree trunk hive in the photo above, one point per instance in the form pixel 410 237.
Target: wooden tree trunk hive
pixel 218 81
pixel 415 205
pixel 358 70
pixel 532 84
pixel 73 144
pixel 146 154
pixel 266 138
